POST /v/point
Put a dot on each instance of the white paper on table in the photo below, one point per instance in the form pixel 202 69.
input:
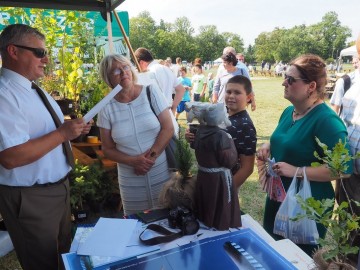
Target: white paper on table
pixel 80 236
pixel 96 109
pixel 134 248
pixel 109 237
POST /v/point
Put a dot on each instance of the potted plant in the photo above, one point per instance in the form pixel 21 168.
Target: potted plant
pixel 93 190
pixel 340 222
pixel 179 190
pixel 84 182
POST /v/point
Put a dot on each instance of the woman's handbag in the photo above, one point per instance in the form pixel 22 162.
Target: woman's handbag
pixel 170 153
pixel 171 147
pixel 303 231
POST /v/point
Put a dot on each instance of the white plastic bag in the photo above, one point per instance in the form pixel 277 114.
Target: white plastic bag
pixel 303 231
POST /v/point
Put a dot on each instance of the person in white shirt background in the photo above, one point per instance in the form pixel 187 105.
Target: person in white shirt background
pixel 164 77
pixel 339 92
pixel 240 65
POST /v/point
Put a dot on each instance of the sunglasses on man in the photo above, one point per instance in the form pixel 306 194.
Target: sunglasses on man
pixel 290 79
pixel 38 52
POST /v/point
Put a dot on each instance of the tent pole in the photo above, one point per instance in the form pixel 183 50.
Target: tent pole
pixel 127 41
pixel 111 44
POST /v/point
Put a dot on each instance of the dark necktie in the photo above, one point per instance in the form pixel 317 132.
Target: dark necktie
pixel 66 144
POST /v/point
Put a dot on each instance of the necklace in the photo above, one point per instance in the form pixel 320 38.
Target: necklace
pixel 295 113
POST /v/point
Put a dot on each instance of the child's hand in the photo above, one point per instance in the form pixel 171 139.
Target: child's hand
pixel 190 137
pixel 263 152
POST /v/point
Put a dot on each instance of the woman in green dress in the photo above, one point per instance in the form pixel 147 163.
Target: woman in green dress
pixel 293 142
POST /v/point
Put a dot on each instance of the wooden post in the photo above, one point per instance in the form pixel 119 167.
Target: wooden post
pixel 110 38
pixel 127 41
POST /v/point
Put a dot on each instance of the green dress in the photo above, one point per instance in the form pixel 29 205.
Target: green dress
pixel 294 143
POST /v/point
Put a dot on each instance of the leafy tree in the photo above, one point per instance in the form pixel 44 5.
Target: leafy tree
pixel 183 26
pixel 163 45
pixel 142 29
pixel 183 47
pixel 294 41
pixel 263 47
pixel 234 40
pixel 250 54
pixel 330 35
pixel 68 42
pixel 325 39
pixel 164 26
pixel 209 42
pixel 183 43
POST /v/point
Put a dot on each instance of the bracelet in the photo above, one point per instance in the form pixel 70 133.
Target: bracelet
pixel 300 173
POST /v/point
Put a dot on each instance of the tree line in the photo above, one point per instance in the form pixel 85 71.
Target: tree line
pixel 326 39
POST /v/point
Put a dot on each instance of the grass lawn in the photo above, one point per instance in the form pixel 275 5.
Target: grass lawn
pixel 270 104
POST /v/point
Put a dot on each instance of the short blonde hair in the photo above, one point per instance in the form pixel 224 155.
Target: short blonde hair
pixel 106 63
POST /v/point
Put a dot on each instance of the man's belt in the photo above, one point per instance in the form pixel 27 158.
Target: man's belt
pixel 62 180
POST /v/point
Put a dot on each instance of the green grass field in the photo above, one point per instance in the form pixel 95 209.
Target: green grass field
pixel 270 104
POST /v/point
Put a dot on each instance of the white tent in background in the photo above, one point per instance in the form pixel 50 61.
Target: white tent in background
pixel 351 51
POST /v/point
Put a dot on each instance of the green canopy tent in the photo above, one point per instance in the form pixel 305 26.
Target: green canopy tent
pixel 105 7
pixel 85 5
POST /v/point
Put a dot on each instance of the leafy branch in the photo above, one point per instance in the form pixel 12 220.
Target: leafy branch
pixel 338 222
pixel 184 156
pixel 336 159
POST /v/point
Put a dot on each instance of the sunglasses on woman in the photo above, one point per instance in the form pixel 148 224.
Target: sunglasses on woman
pixel 291 79
pixel 38 52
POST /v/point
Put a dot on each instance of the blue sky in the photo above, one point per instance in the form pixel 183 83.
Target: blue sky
pixel 248 18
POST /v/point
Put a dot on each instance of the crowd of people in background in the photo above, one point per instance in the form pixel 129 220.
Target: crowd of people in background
pixel 206 88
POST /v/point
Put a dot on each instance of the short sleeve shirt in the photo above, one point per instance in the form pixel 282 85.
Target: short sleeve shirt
pixel 336 98
pixel 243 132
pixel 24 117
pixel 165 79
pixel 351 118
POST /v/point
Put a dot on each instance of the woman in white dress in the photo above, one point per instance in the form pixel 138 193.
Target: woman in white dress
pixel 133 136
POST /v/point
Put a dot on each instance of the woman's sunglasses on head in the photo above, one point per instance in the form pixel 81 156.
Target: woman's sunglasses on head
pixel 38 52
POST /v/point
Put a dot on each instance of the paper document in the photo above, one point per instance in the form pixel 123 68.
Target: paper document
pixel 109 237
pixel 96 109
pixel 133 249
pixel 80 236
